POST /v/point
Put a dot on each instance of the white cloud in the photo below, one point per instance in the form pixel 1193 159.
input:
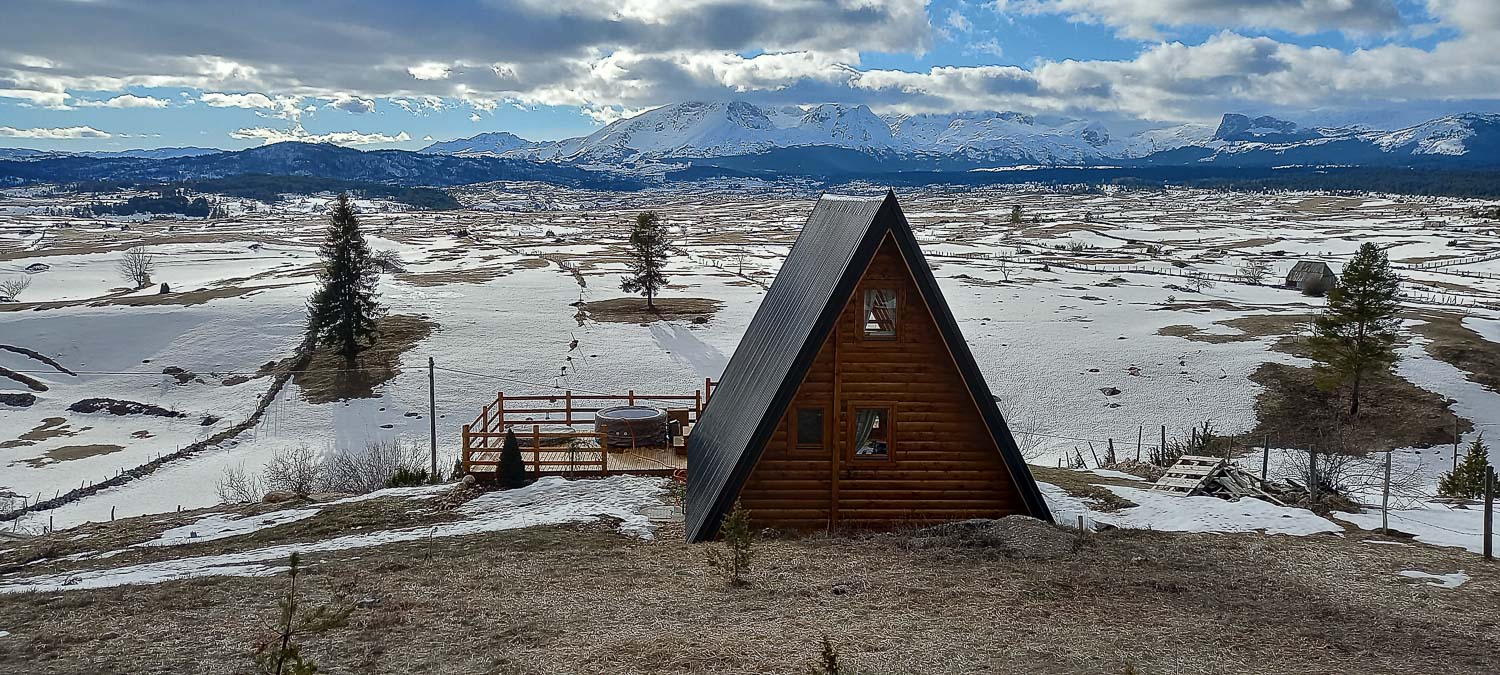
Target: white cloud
pixel 430 71
pixel 1143 18
pixel 986 47
pixel 284 107
pixel 959 22
pixel 126 101
pixel 474 117
pixel 268 136
pixel 353 104
pixel 54 134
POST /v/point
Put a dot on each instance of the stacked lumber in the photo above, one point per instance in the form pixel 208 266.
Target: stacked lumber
pixel 1216 477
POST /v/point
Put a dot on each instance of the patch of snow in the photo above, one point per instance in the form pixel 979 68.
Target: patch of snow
pixel 1436 524
pixel 1111 473
pixel 223 525
pixel 549 501
pixel 1453 580
pixel 1172 513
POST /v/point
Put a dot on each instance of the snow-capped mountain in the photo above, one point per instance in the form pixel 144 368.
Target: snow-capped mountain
pixel 1468 139
pixel 490 143
pixel 716 129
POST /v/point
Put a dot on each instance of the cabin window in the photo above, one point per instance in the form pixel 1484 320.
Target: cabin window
pixel 880 313
pixel 872 433
pixel 810 427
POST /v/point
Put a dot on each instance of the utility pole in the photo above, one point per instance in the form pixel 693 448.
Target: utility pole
pixel 1385 496
pixel 432 413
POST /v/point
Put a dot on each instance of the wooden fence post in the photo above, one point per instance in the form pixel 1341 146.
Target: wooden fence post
pixel 1265 456
pixel 463 454
pixel 1140 432
pixel 536 449
pixel 568 408
pixel 1489 513
pixel 1312 475
pixel 1385 497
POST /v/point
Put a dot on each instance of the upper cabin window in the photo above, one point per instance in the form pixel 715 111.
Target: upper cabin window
pixel 810 427
pixel 880 313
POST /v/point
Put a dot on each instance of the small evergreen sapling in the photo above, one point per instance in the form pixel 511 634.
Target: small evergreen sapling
pixel 281 655
pixel 1467 479
pixel 827 662
pixel 734 562
pixel 512 473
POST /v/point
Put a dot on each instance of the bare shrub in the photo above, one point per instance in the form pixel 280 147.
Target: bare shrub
pixel 137 266
pixel 1028 428
pixel 296 470
pixel 237 486
pixel 389 262
pixel 1253 272
pixel 12 287
pixel 1198 282
pixel 370 469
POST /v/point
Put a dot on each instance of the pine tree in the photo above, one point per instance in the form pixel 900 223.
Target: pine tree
pixel 648 257
pixel 1015 215
pixel 343 311
pixel 1467 479
pixel 512 472
pixel 1356 334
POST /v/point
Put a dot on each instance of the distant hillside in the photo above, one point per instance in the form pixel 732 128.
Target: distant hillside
pixel 395 167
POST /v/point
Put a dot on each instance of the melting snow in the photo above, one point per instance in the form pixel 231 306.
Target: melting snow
pixel 1453 580
pixel 549 501
pixel 1159 511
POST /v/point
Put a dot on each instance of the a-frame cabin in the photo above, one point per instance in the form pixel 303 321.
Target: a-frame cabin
pixel 853 399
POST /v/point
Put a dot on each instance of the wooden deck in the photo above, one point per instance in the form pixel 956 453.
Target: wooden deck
pixel 557 436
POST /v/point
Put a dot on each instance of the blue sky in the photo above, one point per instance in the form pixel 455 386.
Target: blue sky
pixel 114 74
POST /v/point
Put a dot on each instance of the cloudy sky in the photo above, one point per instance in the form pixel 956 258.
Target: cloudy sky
pixel 112 74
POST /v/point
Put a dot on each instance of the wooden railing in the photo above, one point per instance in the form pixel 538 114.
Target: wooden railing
pixel 547 428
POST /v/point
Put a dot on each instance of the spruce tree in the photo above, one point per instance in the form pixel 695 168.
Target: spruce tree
pixel 512 471
pixel 1356 334
pixel 343 311
pixel 1467 479
pixel 648 257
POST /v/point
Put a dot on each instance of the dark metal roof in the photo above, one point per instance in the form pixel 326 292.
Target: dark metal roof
pixel 1305 268
pixel 815 283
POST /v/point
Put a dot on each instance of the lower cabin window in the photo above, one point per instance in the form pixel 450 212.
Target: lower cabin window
pixel 810 427
pixel 872 433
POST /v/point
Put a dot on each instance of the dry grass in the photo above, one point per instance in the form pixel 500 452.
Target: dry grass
pixel 1081 484
pixel 1251 327
pixel 585 600
pixel 1461 347
pixel 71 452
pixel 476 275
pixel 328 380
pixel 51 427
pixel 1394 413
pixel 633 310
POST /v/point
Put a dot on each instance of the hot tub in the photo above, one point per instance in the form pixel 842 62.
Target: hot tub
pixel 632 425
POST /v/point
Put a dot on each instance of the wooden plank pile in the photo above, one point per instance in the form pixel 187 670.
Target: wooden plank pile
pixel 1215 477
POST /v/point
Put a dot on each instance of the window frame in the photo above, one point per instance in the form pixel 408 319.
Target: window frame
pixel 864 331
pixel 851 453
pixel 794 438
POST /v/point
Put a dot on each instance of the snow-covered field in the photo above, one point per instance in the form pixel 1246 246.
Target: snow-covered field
pixel 1056 310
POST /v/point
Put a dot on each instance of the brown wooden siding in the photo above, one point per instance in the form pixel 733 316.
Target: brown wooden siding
pixel 943 465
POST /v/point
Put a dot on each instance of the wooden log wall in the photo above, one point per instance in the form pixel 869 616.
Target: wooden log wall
pixel 943 464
